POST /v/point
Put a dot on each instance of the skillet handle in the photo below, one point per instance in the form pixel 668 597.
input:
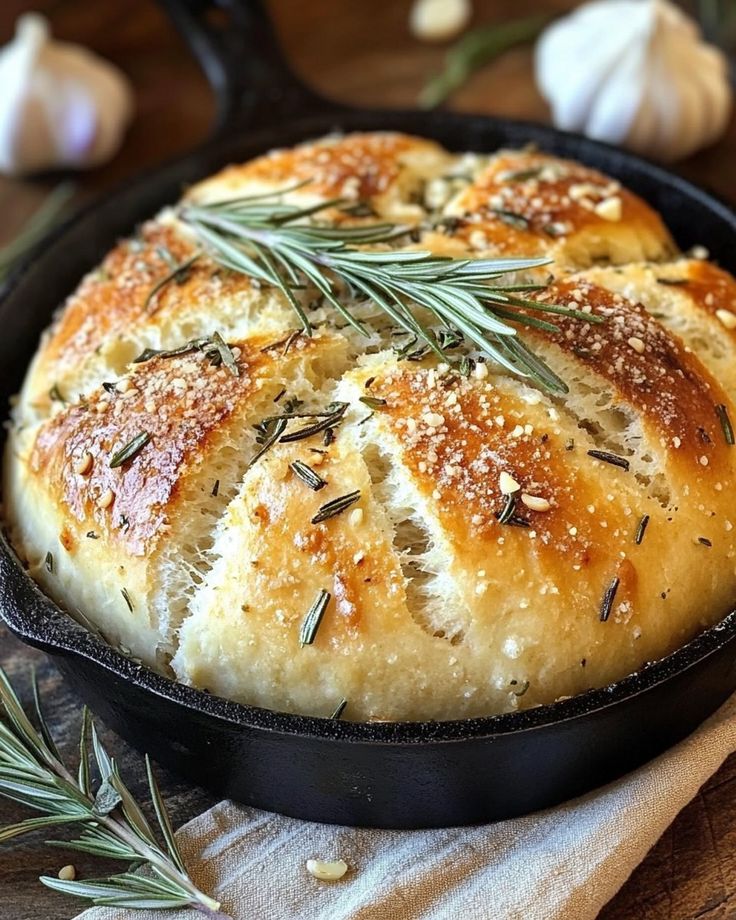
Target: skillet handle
pixel 236 45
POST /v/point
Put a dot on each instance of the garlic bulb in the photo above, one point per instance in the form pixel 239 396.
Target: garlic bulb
pixel 635 73
pixel 439 20
pixel 60 106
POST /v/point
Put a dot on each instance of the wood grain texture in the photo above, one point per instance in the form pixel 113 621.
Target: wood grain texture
pixel 360 53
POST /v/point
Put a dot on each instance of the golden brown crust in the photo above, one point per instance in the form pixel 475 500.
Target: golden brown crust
pixel 129 291
pixel 355 167
pixel 693 300
pixel 459 436
pixel 177 404
pixel 645 366
pixel 712 290
pixel 532 203
pixel 115 294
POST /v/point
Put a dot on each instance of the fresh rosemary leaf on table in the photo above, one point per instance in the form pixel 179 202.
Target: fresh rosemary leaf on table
pixel 284 245
pixel 105 822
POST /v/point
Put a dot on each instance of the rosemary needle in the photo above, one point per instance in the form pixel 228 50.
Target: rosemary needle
pixel 178 273
pixel 641 529
pixel 336 506
pixel 724 419
pixel 339 709
pixel 307 475
pixel 373 402
pixel 608 457
pixel 130 450
pixel 608 599
pixel 313 618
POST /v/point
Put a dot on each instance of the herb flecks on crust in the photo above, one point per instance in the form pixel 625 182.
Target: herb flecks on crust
pixel 284 245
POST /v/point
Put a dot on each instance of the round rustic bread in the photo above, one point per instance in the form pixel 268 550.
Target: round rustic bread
pixel 141 497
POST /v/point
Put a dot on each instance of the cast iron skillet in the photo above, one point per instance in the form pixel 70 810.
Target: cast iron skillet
pixel 404 775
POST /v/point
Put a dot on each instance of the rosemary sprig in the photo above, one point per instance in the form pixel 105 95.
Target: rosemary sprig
pixel 326 423
pixel 214 348
pixel 282 245
pixel 107 821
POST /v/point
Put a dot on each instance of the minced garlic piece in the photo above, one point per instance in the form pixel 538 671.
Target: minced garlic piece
pixel 508 484
pixel 106 499
pixel 535 502
pixel 83 465
pixel 609 208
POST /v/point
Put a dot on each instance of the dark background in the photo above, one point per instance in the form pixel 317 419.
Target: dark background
pixel 359 52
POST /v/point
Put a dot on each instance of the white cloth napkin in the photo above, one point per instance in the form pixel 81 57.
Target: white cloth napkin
pixel 560 864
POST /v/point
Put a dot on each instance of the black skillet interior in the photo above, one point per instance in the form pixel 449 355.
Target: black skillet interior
pixel 384 775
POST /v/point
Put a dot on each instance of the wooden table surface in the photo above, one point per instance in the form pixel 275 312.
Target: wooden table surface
pixel 360 53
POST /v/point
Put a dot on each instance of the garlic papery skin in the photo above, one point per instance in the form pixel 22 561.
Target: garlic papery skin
pixel 61 106
pixel 636 73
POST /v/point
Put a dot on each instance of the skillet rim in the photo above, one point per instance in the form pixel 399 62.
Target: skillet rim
pixel 63 635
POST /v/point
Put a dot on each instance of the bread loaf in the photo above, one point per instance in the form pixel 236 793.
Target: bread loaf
pixel 141 498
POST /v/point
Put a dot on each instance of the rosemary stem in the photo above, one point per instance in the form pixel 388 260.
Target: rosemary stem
pixel 147 852
pixel 415 288
pixel 213 914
